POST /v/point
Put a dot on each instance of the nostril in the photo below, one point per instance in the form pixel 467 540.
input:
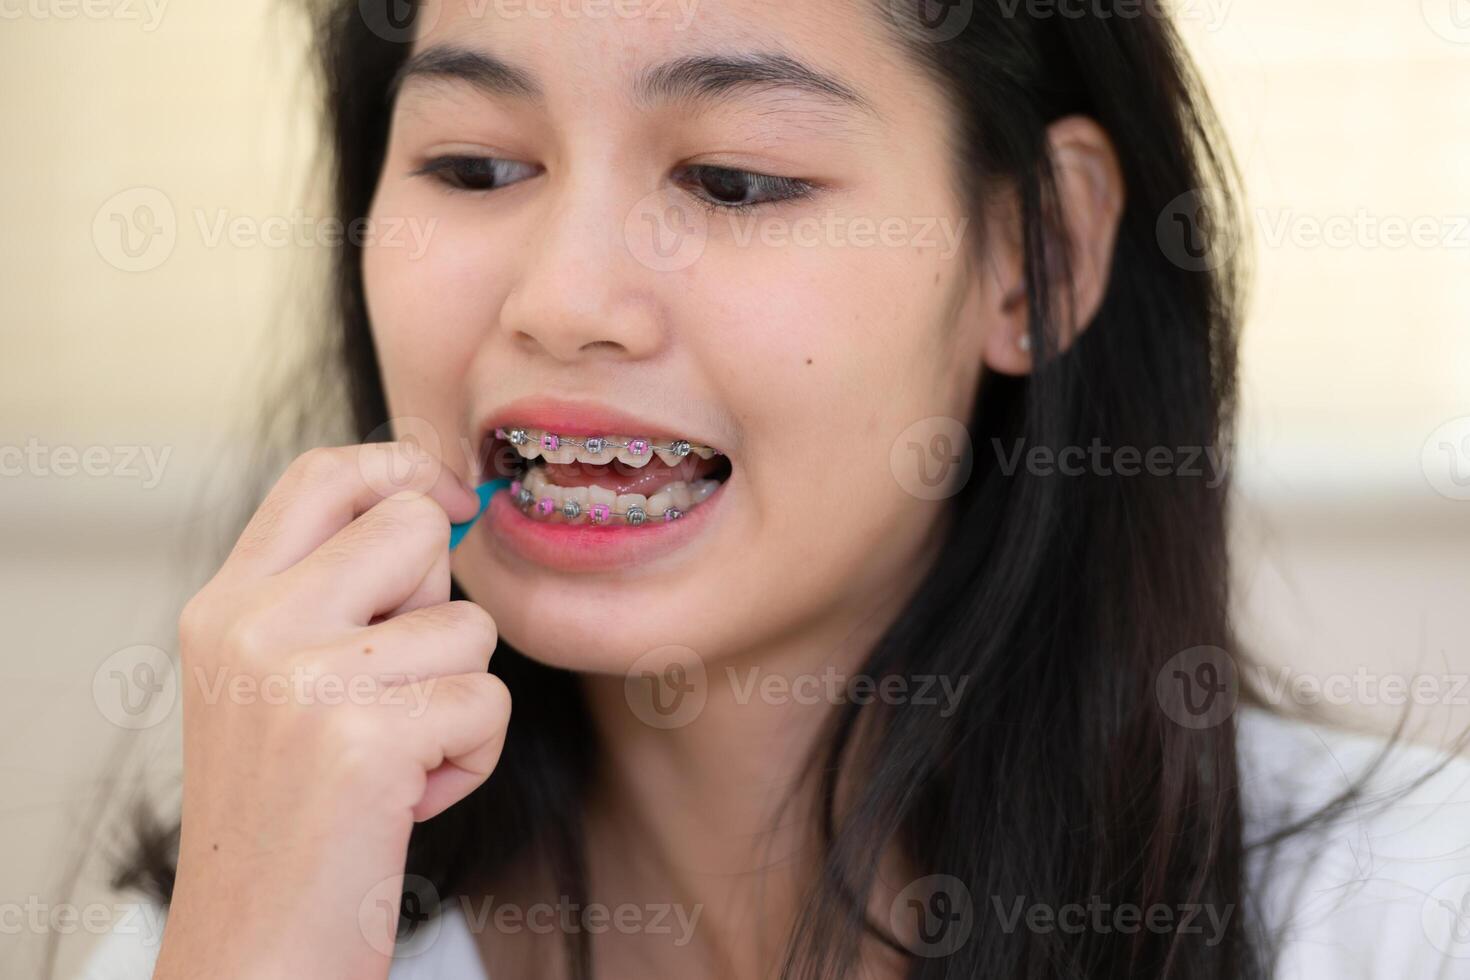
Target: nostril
pixel 603 346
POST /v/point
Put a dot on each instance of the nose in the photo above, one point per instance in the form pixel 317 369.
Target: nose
pixel 580 296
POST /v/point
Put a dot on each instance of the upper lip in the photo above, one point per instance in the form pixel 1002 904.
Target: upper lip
pixel 578 418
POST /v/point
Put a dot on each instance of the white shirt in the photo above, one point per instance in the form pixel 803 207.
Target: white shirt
pixel 1383 893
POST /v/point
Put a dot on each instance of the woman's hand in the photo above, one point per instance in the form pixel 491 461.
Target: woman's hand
pixel 333 696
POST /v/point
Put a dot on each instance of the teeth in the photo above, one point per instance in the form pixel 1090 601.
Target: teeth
pixel 600 495
pixel 635 451
pixel 579 496
pixel 544 500
pixel 633 459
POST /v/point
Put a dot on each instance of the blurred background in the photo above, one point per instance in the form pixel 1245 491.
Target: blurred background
pixel 159 266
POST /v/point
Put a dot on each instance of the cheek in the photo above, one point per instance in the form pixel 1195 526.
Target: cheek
pixel 830 365
pixel 430 308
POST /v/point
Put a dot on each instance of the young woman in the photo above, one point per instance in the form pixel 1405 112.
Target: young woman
pixel 842 637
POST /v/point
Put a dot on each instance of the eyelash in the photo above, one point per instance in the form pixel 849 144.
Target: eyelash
pixel 779 189
pixel 466 173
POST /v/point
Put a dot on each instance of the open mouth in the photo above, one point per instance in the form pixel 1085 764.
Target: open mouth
pixel 608 480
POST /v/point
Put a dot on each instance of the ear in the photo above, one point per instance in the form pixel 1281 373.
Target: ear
pixel 1090 191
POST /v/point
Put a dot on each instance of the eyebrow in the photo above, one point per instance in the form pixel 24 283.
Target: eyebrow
pixel 687 79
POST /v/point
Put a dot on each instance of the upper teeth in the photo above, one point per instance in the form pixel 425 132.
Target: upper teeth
pixel 635 451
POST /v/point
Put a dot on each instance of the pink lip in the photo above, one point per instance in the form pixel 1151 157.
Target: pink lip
pixel 570 418
pixel 586 548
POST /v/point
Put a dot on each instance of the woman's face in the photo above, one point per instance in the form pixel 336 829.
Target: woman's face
pixel 569 166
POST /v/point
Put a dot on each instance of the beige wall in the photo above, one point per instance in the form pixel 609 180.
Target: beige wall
pixel 1354 353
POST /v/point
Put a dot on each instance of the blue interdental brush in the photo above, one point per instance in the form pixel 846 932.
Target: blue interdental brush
pixel 484 491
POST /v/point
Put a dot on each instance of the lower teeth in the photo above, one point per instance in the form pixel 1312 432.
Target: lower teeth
pixel 530 494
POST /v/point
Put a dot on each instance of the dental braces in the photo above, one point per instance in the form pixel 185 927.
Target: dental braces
pixel 596 513
pixel 551 442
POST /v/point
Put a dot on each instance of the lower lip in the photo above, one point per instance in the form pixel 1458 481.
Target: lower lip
pixel 585 548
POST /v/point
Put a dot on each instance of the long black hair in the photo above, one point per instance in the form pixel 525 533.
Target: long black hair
pixel 1061 777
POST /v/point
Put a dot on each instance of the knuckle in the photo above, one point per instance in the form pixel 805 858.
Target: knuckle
pixel 315 466
pixel 420 517
pixel 195 622
pixel 249 634
pixel 474 620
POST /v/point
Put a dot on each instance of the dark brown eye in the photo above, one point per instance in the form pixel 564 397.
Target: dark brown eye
pixel 469 173
pixel 723 187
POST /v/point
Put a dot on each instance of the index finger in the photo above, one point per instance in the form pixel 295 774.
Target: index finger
pixel 324 490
